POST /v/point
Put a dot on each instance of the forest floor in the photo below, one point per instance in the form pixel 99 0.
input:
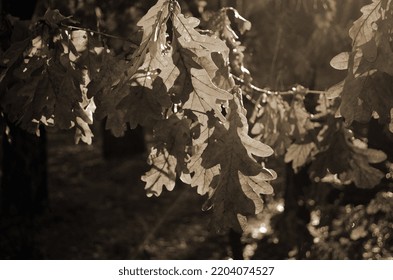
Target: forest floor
pixel 98 209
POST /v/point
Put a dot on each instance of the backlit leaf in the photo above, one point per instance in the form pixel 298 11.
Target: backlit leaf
pixel 335 91
pixel 271 125
pixel 236 189
pixel 340 61
pixel 189 38
pixel 162 172
pixel 364 28
pixel 168 158
pixel 205 96
pixel 300 154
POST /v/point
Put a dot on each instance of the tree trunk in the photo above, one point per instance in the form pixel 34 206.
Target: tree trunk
pixel 297 216
pixel 24 169
pixel 23 191
pixel 131 144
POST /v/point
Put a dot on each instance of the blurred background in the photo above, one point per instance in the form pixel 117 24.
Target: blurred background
pixel 65 201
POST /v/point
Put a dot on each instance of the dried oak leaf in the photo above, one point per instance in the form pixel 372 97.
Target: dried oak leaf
pixel 196 70
pixel 271 125
pixel 201 176
pixel 366 94
pixel 235 191
pixel 168 157
pixel 364 28
pixel 300 154
pixel 350 162
pixel 162 172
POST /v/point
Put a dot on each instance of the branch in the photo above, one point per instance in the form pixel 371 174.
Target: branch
pixel 135 44
pixel 271 92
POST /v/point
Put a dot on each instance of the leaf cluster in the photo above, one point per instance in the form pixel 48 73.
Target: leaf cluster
pixel 320 141
pixel 367 90
pixel 178 82
pixel 44 77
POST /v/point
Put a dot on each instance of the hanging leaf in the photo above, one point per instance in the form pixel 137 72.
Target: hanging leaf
pixel 44 81
pixel 154 36
pixel 381 54
pixel 300 154
pixel 161 174
pixel 221 24
pixel 300 119
pixel 271 125
pixel 193 51
pixel 189 38
pixel 14 54
pixel 178 84
pixel 205 96
pixel 366 90
pixel 143 104
pixel 366 94
pixel 364 175
pixel 201 176
pixel 335 91
pixel 235 191
pixel 340 61
pixel 124 91
pixel 363 29
pixel 339 155
pixel 111 70
pixel 168 158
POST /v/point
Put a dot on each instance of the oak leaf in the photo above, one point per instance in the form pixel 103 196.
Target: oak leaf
pixel 300 154
pixel 235 191
pixel 364 28
pixel 162 172
pixel 341 155
pixel 168 157
pixel 271 124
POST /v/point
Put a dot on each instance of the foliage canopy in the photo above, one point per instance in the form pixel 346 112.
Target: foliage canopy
pixel 188 85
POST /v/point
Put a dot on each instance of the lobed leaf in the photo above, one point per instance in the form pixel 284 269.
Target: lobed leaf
pixel 162 172
pixel 45 83
pixel 189 38
pixel 235 191
pixel 168 157
pixel 342 157
pixel 271 125
pixel 363 29
pixel 300 154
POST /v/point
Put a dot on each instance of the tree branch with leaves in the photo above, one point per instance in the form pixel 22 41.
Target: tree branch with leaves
pixel 188 84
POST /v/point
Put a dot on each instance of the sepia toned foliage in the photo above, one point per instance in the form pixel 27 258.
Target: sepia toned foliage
pixel 187 84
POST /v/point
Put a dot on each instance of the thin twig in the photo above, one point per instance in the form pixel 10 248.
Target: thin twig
pixel 310 91
pixel 102 33
pixel 272 92
pixel 257 89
